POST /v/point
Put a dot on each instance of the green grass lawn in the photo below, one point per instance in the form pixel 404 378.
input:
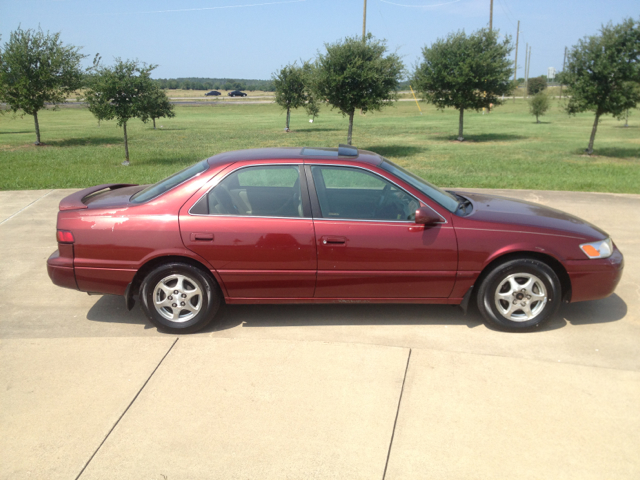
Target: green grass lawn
pixel 504 149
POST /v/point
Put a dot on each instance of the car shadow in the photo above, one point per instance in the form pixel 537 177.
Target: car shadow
pixel 111 309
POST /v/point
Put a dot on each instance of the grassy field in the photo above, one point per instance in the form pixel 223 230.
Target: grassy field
pixel 504 149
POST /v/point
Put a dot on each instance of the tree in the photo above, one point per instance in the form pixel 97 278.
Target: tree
pixel 290 89
pixel 36 69
pixel 356 75
pixel 156 104
pixel 465 72
pixel 603 73
pixel 120 93
pixel 536 85
pixel 538 105
pixel 313 104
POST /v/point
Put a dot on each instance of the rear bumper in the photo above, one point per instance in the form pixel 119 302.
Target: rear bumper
pixel 61 272
pixel 595 279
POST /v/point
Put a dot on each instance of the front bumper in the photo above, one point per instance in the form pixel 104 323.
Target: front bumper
pixel 595 279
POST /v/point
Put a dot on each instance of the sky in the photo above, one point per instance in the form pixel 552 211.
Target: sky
pixel 255 38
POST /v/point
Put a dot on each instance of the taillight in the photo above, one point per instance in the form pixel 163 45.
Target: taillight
pixel 65 236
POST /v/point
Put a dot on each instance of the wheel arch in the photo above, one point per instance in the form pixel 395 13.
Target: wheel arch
pixel 552 262
pixel 153 263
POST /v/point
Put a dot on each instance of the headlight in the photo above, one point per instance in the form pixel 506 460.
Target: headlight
pixel 601 249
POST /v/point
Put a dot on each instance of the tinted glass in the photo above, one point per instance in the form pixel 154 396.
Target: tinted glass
pixel 443 198
pixel 167 184
pixel 352 193
pixel 264 191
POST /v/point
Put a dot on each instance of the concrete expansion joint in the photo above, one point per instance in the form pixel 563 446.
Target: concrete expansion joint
pixel 24 208
pixel 395 422
pixel 127 409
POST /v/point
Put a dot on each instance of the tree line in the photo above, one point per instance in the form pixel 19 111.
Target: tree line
pixel 215 84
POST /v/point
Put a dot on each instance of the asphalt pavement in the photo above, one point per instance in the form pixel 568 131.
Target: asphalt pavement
pixel 92 391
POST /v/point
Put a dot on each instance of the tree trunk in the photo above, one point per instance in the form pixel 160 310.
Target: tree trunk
pixel 35 119
pixel 126 146
pixel 460 124
pixel 593 134
pixel 626 119
pixel 154 123
pixel 349 135
pixel 537 121
pixel 288 116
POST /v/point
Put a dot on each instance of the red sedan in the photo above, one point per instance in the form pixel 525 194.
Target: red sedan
pixel 324 225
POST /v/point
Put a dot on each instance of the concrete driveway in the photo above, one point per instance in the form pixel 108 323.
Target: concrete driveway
pixel 90 390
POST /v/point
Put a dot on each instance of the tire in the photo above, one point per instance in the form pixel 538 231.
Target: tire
pixel 519 295
pixel 192 308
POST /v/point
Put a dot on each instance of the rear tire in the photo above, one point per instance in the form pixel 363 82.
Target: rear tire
pixel 519 295
pixel 180 298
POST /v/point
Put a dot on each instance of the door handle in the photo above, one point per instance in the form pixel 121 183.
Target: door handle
pixel 202 237
pixel 334 241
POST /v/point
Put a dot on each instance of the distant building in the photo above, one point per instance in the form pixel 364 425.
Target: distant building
pixel 551 73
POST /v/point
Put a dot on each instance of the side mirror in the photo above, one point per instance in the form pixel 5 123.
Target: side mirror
pixel 426 216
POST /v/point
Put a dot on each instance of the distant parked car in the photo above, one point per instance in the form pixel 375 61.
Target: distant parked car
pixel 212 92
pixel 237 93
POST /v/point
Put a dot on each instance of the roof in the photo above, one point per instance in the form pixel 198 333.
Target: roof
pixel 292 153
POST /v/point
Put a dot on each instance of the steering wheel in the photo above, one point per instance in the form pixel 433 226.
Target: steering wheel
pixel 383 198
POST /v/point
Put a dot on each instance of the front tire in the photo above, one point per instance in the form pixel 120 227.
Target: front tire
pixel 180 298
pixel 519 295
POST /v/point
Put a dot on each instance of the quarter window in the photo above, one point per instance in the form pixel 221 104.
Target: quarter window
pixel 262 191
pixel 352 193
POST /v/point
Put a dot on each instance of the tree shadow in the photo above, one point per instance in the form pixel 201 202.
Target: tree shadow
pixel 313 130
pixel 617 152
pixel 86 142
pixel 484 138
pixel 395 150
pixel 18 133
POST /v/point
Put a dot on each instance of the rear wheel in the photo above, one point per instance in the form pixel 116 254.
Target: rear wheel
pixel 180 298
pixel 519 295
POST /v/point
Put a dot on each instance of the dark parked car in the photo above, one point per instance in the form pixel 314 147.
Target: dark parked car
pixel 237 93
pixel 212 92
pixel 324 225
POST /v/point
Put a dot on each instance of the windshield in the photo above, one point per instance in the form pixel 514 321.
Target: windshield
pixel 443 198
pixel 168 183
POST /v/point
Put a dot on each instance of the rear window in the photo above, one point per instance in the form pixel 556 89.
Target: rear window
pixel 168 183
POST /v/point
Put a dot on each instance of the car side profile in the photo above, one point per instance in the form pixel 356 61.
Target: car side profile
pixel 237 93
pixel 212 93
pixel 324 225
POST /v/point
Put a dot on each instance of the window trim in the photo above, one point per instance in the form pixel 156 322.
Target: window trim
pixel 315 202
pixel 304 193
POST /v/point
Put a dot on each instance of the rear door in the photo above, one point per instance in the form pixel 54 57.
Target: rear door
pixel 255 228
pixel 368 243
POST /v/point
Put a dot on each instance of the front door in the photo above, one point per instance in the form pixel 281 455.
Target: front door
pixel 254 227
pixel 368 243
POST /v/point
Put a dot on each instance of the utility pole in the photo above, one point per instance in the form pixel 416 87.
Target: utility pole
pixel 515 67
pixel 564 62
pixel 491 17
pixel 526 50
pixel 528 68
pixel 364 21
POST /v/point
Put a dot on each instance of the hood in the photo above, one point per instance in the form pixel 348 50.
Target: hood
pixel 111 198
pixel 496 209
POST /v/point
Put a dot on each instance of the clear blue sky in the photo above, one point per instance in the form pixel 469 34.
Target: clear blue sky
pixel 253 38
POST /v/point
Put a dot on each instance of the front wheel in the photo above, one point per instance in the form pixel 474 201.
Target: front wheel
pixel 179 298
pixel 519 295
